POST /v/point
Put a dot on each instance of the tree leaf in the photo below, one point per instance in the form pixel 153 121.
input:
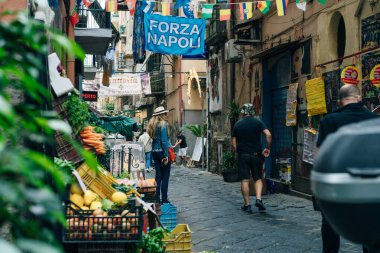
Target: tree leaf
pixel 59 125
pixel 8 247
pixel 34 246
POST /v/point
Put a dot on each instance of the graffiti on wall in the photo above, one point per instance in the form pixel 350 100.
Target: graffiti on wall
pixel 370 38
pixel 371 31
pixel 215 82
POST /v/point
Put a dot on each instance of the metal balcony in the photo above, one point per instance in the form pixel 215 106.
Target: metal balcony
pixel 95 32
pixel 216 32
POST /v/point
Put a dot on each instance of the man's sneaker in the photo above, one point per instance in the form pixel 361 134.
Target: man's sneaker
pixel 260 205
pixel 247 209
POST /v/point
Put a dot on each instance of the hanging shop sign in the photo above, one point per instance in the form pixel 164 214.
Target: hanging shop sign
pixel 350 75
pixel 374 76
pixel 122 85
pixel 174 35
pixel 91 96
pixel 315 96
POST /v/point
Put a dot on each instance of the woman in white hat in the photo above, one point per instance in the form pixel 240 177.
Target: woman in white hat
pixel 158 131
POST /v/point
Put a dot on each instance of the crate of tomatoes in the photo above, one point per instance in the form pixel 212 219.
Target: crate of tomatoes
pixel 123 225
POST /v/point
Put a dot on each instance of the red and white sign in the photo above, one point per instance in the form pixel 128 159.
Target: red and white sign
pixel 374 76
pixel 350 75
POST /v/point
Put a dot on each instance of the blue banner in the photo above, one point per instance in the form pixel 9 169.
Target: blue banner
pixel 174 35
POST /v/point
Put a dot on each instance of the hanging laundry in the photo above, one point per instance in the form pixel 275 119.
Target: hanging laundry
pixel 282 5
pixel 245 11
pixel 263 6
pixel 207 11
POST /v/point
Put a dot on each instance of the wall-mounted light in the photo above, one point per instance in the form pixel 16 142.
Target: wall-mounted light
pixel 372 3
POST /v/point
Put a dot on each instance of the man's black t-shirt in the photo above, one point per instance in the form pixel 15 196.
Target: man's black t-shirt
pixel 247 132
pixel 183 143
pixel 345 115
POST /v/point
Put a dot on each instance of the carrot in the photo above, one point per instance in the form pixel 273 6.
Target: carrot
pixel 89 142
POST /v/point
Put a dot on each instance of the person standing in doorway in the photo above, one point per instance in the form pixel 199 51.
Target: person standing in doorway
pixel 147 142
pixel 351 111
pixel 182 152
pixel 246 142
pixel 158 131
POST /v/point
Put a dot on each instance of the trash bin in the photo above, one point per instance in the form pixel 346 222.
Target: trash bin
pixel 346 181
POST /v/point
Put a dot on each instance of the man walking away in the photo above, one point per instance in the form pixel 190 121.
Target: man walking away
pixel 246 142
pixel 351 111
pixel 147 141
pixel 181 141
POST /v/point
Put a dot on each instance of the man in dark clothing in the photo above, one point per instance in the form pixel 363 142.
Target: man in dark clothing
pixel 351 111
pixel 246 142
pixel 182 152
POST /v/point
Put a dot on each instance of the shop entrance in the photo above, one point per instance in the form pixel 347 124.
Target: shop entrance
pixel 279 78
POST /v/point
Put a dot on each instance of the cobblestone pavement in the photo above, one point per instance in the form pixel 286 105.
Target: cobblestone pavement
pixel 211 207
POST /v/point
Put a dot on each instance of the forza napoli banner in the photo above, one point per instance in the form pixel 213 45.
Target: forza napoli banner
pixel 174 35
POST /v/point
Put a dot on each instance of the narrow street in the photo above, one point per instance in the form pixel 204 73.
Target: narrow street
pixel 211 208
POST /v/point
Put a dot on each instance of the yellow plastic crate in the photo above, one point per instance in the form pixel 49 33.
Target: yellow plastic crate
pixel 100 182
pixel 179 240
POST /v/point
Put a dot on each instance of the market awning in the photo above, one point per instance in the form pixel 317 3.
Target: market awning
pixel 119 124
pixel 275 50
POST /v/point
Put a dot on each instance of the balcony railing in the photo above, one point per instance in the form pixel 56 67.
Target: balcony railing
pixel 216 33
pixel 96 17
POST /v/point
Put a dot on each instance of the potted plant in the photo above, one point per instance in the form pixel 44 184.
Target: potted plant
pixel 229 169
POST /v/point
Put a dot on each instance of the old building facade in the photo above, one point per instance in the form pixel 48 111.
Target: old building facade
pixel 274 52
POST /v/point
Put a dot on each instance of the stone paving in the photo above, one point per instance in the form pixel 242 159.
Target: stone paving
pixel 211 207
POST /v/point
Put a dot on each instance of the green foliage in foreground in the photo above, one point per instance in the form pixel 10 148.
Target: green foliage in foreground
pixel 30 182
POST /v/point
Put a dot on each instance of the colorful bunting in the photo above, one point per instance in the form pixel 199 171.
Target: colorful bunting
pixel 87 3
pixel 147 6
pixel 282 5
pixel 245 11
pixel 111 6
pixel 263 6
pixel 131 6
pixel 224 14
pixel 74 16
pixel 165 8
pixel 180 3
pixel 301 4
pixel 207 11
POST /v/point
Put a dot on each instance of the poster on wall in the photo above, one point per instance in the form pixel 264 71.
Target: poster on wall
pixel 350 75
pixel 315 96
pixel 215 82
pixel 310 137
pixel 374 76
pixel 291 105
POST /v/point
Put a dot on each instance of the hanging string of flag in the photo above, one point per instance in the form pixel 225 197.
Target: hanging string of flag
pixel 245 8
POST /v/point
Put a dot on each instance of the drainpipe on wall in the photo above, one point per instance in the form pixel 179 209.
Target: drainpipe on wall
pixel 70 62
pixel 180 90
pixel 232 65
